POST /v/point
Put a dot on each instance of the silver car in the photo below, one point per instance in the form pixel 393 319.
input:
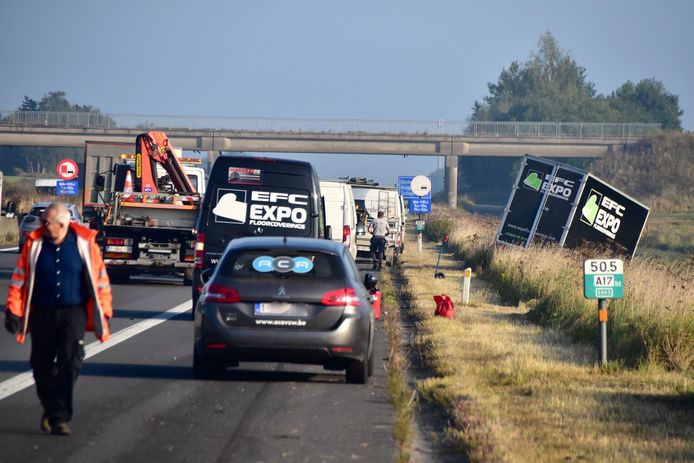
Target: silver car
pixel 31 221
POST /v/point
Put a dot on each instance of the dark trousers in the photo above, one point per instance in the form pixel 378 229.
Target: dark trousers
pixel 378 248
pixel 57 351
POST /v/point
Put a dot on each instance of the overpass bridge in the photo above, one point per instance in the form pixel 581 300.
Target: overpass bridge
pixel 330 136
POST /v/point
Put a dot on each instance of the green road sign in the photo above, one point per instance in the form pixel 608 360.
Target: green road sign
pixel 419 225
pixel 603 279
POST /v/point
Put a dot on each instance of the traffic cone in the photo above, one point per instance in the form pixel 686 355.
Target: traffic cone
pixel 128 187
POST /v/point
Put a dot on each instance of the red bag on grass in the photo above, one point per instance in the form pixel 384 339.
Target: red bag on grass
pixel 444 306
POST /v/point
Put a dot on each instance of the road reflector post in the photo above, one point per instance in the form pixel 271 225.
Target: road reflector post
pixel 603 279
pixel 419 243
pixel 466 285
pixel 602 327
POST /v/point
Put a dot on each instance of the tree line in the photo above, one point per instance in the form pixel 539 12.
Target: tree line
pixel 40 160
pixel 552 87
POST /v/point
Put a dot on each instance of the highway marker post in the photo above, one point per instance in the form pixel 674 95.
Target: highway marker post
pixel 466 285
pixel 419 226
pixel 603 279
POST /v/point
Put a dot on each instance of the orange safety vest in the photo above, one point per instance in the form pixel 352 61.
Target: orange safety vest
pixel 99 307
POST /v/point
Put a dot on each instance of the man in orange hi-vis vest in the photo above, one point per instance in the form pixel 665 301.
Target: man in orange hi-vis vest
pixel 59 289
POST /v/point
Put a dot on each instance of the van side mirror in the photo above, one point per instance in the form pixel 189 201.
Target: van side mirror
pixel 370 281
pixel 206 275
pixel 328 232
pixel 99 182
pixel 361 229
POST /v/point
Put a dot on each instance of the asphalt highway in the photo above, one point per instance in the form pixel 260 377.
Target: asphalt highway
pixel 136 399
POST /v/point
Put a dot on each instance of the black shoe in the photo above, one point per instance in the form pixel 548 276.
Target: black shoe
pixel 45 423
pixel 60 429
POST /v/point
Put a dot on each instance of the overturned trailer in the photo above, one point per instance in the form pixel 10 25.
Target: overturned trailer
pixel 554 203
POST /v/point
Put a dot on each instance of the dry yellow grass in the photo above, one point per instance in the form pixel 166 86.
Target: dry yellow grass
pixel 518 392
pixel 654 322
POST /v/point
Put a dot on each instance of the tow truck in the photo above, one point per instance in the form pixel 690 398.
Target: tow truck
pixel 149 225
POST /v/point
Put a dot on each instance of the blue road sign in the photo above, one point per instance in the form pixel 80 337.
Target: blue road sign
pixel 405 188
pixel 420 205
pixel 67 187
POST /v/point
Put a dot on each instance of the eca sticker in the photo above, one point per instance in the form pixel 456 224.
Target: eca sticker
pixel 282 264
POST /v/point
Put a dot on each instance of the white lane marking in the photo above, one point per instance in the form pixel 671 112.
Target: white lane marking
pixel 26 379
pixel 16 248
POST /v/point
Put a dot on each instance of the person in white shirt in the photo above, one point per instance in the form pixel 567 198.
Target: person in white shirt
pixel 379 229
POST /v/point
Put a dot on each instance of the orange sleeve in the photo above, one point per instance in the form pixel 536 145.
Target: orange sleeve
pixel 103 285
pixel 16 291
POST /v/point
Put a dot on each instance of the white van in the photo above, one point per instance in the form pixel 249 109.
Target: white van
pixel 370 199
pixel 340 213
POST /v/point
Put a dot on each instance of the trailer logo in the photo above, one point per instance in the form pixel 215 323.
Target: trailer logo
pixel 602 213
pixel 533 180
pixel 561 188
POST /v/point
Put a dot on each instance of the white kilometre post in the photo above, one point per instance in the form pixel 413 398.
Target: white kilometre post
pixel 466 285
pixel 419 243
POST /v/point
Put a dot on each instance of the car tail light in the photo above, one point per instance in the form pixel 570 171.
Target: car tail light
pixel 339 349
pixel 199 248
pixel 218 345
pixel 219 293
pixel 343 296
pixel 119 241
pixel 346 232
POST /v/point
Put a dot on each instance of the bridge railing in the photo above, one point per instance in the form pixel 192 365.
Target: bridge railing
pixel 404 127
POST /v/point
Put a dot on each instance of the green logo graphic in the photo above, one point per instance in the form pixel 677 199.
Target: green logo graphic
pixel 533 181
pixel 590 210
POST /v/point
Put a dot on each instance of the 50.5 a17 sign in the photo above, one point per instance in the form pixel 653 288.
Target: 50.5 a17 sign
pixel 603 279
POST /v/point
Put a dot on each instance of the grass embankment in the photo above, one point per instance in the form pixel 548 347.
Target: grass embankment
pixel 401 394
pixel 517 391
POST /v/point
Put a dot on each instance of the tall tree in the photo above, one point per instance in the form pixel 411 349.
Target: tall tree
pixel 550 86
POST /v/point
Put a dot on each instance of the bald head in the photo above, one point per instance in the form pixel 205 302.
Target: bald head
pixel 55 220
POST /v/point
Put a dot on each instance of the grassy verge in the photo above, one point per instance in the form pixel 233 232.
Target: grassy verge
pixel 653 323
pixel 400 392
pixel 515 391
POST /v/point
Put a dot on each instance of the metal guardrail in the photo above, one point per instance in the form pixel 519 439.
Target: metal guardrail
pixel 405 127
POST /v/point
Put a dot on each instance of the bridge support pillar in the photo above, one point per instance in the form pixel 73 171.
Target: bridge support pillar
pixel 452 180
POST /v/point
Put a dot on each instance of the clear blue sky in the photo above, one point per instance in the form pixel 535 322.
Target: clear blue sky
pixel 422 60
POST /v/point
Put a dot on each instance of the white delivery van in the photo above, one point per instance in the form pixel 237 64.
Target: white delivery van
pixel 340 213
pixel 370 199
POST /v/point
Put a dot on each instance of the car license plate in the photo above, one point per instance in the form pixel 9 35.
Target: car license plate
pixel 271 308
pixel 117 248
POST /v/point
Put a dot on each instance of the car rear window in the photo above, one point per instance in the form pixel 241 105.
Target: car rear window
pixel 285 264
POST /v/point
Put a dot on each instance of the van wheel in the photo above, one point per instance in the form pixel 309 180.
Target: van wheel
pixel 357 372
pixel 390 258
